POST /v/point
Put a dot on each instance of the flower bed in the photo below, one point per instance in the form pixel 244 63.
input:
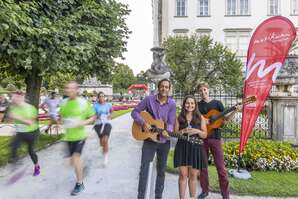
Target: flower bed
pixel 118 108
pixel 124 105
pixel 263 155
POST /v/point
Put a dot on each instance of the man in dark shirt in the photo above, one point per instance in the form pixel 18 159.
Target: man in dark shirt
pixel 161 107
pixel 213 142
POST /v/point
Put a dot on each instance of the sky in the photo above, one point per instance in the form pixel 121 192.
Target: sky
pixel 138 56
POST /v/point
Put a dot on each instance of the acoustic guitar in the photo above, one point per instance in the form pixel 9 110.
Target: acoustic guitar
pixel 216 118
pixel 157 129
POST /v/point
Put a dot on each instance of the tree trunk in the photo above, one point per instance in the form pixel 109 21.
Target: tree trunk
pixel 33 84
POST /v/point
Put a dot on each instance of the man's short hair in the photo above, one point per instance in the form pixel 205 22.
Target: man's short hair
pixel 73 82
pixel 100 94
pixel 163 80
pixel 202 84
pixel 19 92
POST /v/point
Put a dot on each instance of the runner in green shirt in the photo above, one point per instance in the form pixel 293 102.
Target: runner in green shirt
pixel 75 113
pixel 24 116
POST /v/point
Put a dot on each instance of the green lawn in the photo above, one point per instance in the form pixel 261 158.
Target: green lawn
pixel 120 112
pixel 269 183
pixel 43 141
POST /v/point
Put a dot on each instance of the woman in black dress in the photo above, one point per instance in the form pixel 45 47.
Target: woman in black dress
pixel 188 157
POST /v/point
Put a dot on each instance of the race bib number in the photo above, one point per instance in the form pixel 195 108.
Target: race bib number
pixel 70 122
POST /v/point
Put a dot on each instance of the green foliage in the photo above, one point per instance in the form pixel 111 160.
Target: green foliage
pixel 43 141
pixel 7 80
pixel 123 77
pixel 40 38
pixel 194 59
pixel 232 130
pixel 141 78
pixel 263 155
pixel 269 183
pixel 58 81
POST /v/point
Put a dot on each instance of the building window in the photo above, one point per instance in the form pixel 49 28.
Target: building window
pixel 274 7
pixel 180 32
pixel 294 7
pixel 238 41
pixel 237 7
pixel 243 7
pixel 181 8
pixel 203 7
pixel 203 32
pixel 231 7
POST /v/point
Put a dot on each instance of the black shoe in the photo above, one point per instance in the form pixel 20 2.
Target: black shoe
pixel 226 197
pixel 203 195
pixel 77 189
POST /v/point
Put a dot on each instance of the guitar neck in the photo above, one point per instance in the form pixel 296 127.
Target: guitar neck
pixel 222 114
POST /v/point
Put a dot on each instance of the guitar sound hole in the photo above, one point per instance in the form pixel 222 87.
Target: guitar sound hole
pixel 158 137
pixel 211 119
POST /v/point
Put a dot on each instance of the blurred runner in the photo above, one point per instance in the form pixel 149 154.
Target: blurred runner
pixel 24 116
pixel 103 125
pixel 52 104
pixel 76 112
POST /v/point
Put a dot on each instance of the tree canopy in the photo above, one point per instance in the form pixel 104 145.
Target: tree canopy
pixel 195 59
pixel 42 37
pixel 123 77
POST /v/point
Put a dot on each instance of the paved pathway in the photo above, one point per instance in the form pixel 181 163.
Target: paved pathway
pixel 117 181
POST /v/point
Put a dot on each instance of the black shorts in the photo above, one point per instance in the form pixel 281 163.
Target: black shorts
pixel 75 146
pixel 106 130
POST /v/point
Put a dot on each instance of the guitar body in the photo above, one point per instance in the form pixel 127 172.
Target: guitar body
pixel 138 132
pixel 157 129
pixel 216 124
pixel 216 118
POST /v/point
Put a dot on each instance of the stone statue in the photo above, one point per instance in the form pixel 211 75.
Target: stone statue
pixel 288 76
pixel 159 70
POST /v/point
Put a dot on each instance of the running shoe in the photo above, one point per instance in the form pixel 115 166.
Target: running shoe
pixel 36 170
pixel 79 187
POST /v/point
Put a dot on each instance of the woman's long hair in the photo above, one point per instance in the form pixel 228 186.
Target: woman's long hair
pixel 196 115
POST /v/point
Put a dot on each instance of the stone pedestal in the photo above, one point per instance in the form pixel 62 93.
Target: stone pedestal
pixel 285 118
pixel 159 69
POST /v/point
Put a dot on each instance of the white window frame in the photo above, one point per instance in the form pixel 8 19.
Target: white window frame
pixel 294 7
pixel 237 6
pixel 237 34
pixel 231 12
pixel 180 32
pixel 200 6
pixel 180 12
pixel 240 11
pixel 278 8
pixel 203 31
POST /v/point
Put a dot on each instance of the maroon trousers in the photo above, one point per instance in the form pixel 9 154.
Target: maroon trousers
pixel 217 151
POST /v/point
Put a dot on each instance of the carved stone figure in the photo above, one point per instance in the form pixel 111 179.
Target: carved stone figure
pixel 159 69
pixel 288 76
